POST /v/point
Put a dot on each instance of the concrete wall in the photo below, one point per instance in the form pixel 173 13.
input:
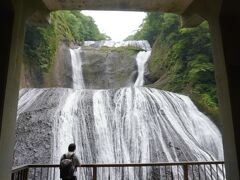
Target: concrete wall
pixel 222 17
pixel 225 103
pixel 175 6
pixel 6 18
pixel 229 24
pixel 13 17
pixel 11 65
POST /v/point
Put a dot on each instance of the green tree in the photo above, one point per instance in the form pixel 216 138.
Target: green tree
pixel 41 43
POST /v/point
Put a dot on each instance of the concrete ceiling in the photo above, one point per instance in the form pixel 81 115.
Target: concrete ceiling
pixel 174 6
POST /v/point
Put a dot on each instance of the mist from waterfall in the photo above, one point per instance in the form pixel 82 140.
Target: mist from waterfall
pixel 126 125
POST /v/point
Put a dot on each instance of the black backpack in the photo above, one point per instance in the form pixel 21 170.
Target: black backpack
pixel 67 167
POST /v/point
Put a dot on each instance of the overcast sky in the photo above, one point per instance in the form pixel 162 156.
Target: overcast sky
pixel 117 24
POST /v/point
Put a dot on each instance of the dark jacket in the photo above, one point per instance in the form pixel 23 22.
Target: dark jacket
pixel 76 162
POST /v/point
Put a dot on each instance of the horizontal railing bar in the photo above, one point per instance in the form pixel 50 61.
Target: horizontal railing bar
pixel 150 164
pixel 185 165
pixel 20 168
pixel 133 164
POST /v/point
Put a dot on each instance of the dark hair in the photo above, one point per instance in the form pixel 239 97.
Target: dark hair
pixel 71 147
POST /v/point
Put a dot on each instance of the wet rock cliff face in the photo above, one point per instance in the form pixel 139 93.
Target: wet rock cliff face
pixel 59 75
pixel 102 67
pixel 107 68
pixel 34 128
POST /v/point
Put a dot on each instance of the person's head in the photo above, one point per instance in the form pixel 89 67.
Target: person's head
pixel 71 147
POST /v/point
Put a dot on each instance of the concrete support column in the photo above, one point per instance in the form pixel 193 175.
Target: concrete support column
pixel 227 92
pixel 231 48
pixel 20 11
pixel 10 88
pixel 6 18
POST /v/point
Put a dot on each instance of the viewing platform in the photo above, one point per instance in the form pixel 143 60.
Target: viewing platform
pixel 166 171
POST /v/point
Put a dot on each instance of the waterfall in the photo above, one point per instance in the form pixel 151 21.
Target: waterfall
pixel 78 82
pixel 142 44
pixel 126 125
pixel 141 59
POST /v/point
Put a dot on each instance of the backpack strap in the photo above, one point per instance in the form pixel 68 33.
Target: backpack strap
pixel 65 156
pixel 71 157
pixel 72 154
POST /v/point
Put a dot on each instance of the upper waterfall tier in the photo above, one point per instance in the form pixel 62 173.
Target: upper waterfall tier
pixel 109 64
pixel 94 65
pixel 142 44
pixel 77 75
pixel 142 58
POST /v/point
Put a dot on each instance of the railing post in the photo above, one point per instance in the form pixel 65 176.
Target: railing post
pixel 25 172
pixel 94 173
pixel 13 176
pixel 185 171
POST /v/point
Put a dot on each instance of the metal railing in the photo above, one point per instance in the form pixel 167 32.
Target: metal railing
pixel 214 170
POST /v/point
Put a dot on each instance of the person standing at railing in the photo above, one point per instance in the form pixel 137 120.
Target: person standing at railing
pixel 69 163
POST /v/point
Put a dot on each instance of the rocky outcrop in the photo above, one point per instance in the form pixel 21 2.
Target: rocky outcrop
pixel 35 123
pixel 107 68
pixel 61 72
pixel 157 65
pixel 103 67
pixel 59 75
pixel 31 75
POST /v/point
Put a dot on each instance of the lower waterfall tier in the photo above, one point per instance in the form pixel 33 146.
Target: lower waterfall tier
pixel 127 125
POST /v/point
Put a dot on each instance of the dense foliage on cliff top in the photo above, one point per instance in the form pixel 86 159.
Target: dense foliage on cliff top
pixel 181 59
pixel 41 43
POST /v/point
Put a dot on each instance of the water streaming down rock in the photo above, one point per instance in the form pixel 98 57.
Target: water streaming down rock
pixel 126 125
pixel 141 59
pixel 142 44
pixel 140 125
pixel 78 82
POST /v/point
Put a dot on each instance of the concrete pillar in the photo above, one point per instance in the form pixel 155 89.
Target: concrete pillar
pixel 6 18
pixel 227 97
pixel 225 43
pixel 10 87
pixel 231 48
pixel 12 54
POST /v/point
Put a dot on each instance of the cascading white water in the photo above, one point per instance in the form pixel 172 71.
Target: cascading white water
pixel 78 82
pixel 141 59
pixel 126 125
pixel 142 44
pixel 147 125
pixel 136 125
pixel 130 125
